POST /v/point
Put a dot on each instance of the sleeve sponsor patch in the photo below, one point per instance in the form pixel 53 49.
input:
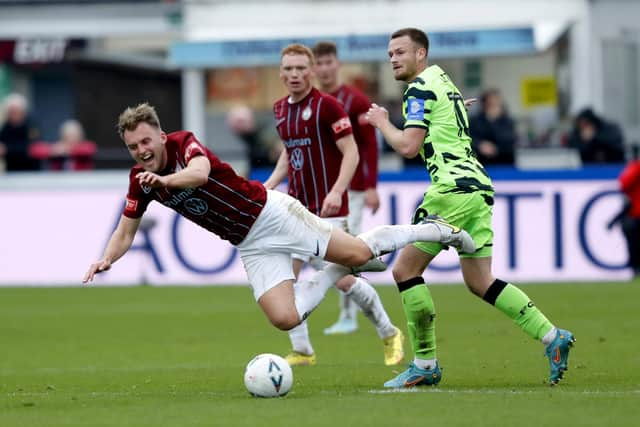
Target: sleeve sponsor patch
pixel 192 150
pixel 341 124
pixel 131 205
pixel 415 109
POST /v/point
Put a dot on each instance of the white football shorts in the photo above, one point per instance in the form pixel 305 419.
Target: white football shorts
pixel 283 227
pixel 318 262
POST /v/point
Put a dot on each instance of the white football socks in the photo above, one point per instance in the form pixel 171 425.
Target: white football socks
pixel 549 336
pixel 299 337
pixel 366 297
pixel 348 308
pixel 309 293
pixel 388 238
pixel 425 363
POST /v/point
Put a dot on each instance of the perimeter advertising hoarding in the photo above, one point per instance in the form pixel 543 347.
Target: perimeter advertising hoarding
pixel 545 231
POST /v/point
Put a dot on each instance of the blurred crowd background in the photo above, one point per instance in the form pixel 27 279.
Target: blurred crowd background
pixel 557 82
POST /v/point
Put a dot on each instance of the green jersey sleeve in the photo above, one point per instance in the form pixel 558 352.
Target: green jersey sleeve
pixel 417 104
pixel 432 102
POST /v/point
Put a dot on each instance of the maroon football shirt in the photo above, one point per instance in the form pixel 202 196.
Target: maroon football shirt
pixel 309 130
pixel 226 205
pixel 356 104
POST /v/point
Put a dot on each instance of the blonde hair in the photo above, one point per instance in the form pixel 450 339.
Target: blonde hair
pixel 298 49
pixel 133 116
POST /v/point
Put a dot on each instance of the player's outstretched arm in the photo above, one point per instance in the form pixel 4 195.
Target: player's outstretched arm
pixel 118 245
pixel 280 171
pixel 195 174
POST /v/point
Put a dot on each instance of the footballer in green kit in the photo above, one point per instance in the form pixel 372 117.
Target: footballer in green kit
pixel 437 128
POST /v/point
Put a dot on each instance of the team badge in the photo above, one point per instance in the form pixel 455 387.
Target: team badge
pixel 306 113
pixel 146 189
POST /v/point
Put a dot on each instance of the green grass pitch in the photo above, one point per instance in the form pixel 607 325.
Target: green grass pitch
pixel 175 356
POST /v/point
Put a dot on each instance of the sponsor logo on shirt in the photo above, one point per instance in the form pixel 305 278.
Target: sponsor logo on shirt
pixel 196 206
pixel 297 159
pixel 415 109
pixel 131 205
pixel 341 124
pixel 297 142
pixel 179 197
pixel 306 113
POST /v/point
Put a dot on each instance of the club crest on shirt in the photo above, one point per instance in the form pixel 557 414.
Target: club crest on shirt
pixel 146 189
pixel 306 113
pixel 296 159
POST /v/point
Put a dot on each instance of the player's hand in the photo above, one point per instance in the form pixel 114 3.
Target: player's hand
pixel 469 102
pixel 371 199
pixel 151 179
pixel 376 115
pixel 95 268
pixel 331 205
pixel 269 185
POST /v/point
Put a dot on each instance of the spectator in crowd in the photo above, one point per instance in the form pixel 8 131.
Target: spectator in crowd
pixel 493 131
pixel 629 217
pixel 242 122
pixel 71 152
pixel 597 140
pixel 16 134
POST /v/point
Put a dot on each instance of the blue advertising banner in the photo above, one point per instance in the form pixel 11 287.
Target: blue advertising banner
pixel 352 48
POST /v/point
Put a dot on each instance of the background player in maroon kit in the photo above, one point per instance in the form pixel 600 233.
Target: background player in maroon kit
pixel 320 158
pixel 266 226
pixel 362 190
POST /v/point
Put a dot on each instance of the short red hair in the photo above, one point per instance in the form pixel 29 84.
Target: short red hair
pixel 298 49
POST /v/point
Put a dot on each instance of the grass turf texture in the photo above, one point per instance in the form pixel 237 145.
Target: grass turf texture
pixel 175 357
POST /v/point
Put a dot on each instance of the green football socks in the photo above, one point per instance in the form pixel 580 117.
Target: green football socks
pixel 518 307
pixel 420 313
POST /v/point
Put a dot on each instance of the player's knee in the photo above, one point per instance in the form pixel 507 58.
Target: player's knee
pixel 345 283
pixel 285 320
pixel 400 273
pixel 361 257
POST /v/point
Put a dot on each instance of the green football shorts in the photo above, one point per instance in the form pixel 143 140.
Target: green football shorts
pixel 470 211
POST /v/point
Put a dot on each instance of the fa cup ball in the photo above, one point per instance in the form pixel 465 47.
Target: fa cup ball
pixel 268 375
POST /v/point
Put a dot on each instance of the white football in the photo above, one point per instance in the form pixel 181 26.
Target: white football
pixel 268 375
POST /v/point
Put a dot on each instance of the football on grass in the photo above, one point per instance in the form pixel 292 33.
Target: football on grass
pixel 268 375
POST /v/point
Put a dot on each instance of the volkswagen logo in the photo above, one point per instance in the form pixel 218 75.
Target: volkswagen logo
pixel 196 206
pixel 297 159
